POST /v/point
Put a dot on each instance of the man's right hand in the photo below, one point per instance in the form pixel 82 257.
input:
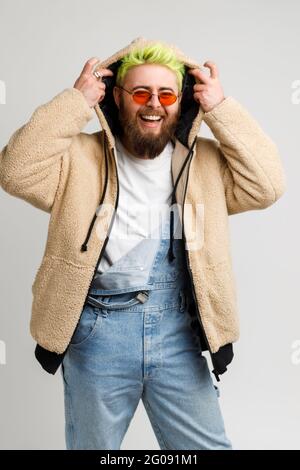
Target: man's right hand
pixel 92 88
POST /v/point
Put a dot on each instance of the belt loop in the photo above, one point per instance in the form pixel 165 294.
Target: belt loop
pixel 103 312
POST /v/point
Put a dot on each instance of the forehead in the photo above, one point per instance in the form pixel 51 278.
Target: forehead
pixel 151 75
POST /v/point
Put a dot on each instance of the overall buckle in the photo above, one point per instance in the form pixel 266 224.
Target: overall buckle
pixel 142 296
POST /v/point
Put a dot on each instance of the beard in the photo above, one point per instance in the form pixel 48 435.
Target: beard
pixel 146 143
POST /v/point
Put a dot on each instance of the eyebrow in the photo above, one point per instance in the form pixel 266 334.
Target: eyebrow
pixel 149 88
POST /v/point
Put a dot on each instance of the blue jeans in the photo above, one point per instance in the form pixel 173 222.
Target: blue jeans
pixel 140 345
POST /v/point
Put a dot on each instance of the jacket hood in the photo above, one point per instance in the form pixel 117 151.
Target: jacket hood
pixel 191 113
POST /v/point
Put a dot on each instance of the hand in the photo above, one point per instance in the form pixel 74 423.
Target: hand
pixel 208 93
pixel 92 88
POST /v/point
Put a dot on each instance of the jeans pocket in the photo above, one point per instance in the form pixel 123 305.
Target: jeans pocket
pixel 88 322
pixel 118 301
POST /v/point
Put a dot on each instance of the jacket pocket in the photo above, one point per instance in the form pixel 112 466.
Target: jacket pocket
pixel 42 270
pixel 221 286
pixel 59 291
pixel 219 303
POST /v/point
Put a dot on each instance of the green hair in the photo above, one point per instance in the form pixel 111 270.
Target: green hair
pixel 156 53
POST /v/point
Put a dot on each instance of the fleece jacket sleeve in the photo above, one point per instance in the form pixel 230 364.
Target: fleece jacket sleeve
pixel 31 162
pixel 251 167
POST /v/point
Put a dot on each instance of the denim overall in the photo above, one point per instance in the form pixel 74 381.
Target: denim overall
pixel 137 343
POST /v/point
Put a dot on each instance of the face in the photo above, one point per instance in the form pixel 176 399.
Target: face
pixel 147 139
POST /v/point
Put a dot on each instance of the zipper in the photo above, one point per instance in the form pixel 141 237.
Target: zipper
pixel 191 276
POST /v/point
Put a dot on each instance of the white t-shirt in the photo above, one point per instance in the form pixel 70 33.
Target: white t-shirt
pixel 145 187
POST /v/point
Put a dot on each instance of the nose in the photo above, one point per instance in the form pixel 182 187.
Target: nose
pixel 154 101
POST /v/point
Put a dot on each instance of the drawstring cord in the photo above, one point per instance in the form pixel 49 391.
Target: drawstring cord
pixel 171 255
pixel 84 245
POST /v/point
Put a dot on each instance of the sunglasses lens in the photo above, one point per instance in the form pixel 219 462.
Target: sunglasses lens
pixel 165 98
pixel 141 97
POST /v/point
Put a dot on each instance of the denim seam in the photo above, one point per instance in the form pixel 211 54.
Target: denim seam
pixel 155 425
pixel 71 422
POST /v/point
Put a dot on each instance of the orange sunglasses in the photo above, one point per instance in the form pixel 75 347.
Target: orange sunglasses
pixel 166 98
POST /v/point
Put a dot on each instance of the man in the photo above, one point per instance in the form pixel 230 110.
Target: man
pixel 125 305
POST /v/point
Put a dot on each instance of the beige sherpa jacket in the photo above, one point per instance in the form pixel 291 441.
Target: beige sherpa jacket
pixel 53 165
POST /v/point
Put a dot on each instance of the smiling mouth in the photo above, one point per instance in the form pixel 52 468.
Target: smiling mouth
pixel 151 123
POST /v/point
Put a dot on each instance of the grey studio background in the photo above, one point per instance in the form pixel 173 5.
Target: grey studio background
pixel 43 47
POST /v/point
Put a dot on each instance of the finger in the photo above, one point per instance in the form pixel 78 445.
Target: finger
pixel 200 87
pixel 89 65
pixel 199 75
pixel 198 96
pixel 213 68
pixel 104 72
pixel 101 85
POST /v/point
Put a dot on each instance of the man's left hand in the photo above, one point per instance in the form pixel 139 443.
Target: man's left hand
pixel 208 93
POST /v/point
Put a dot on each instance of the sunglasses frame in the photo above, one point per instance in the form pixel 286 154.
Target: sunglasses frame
pixel 155 94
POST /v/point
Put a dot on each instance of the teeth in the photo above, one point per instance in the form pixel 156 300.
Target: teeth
pixel 152 118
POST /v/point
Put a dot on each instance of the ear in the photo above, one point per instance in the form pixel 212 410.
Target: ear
pixel 116 93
